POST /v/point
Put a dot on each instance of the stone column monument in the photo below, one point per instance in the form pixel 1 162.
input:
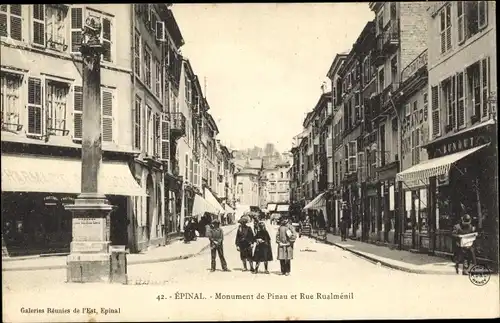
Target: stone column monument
pixel 89 259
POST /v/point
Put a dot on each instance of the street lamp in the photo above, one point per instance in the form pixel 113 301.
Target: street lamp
pixel 89 258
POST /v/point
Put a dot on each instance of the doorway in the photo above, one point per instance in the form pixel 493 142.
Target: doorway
pixel 149 205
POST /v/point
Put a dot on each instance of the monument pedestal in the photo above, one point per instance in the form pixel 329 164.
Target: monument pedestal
pixel 89 258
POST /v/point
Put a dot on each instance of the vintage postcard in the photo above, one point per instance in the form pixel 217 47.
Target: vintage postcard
pixel 238 162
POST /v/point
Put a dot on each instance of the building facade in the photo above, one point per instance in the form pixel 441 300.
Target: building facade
pixel 247 181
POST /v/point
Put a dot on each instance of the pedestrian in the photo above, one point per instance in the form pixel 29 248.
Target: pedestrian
pixel 244 242
pixel 343 228
pixel 216 238
pixel 263 251
pixel 462 253
pixel 285 238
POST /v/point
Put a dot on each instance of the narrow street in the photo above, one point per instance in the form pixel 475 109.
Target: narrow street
pixel 317 269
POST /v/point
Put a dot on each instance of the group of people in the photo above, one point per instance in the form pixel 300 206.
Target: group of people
pixel 255 247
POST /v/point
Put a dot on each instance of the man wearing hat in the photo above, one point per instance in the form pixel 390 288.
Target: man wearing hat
pixel 463 253
pixel 244 241
pixel 216 237
pixel 285 238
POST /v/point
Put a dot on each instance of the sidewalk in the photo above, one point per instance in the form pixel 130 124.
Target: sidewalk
pixel 396 259
pixel 174 251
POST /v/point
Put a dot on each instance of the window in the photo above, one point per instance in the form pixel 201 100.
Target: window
pixel 147 66
pixel 426 105
pixel 461 21
pixel 191 170
pixel 460 100
pixel 35 109
pixel 472 18
pixel 414 114
pixel 380 23
pixel 156 134
pixel 137 122
pixel 56 103
pixel 11 21
pixel 448 87
pixel 10 90
pixel 77 20
pixel 381 80
pixel 415 146
pixel 56 26
pixel 137 54
pixel 485 79
pixel 367 71
pixel 394 69
pixel 149 130
pixel 158 77
pixel 435 111
pixel 107 108
pixel 188 89
pixel 357 107
pixel 393 11
pixel 39 24
pixel 445 28
pixel 165 137
pixel 186 165
pixel 352 159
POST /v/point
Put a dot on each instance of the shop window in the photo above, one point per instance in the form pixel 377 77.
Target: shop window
pixel 445 28
pixel 11 21
pixel 10 91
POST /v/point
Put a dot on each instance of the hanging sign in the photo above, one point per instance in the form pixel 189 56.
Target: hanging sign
pixel 461 144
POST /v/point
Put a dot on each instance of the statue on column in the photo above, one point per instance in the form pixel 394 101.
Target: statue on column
pixel 91 47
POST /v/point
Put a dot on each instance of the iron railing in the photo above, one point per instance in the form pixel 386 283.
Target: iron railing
pixel 417 64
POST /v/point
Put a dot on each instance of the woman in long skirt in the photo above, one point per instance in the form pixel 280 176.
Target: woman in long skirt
pixel 263 251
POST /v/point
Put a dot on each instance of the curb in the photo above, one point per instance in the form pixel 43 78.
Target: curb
pixel 129 263
pixel 375 260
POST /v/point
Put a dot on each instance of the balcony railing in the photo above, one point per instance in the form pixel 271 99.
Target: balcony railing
pixel 178 124
pixel 390 36
pixel 378 56
pixel 416 65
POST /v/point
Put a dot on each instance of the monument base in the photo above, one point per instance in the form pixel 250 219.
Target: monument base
pixel 88 268
pixel 89 260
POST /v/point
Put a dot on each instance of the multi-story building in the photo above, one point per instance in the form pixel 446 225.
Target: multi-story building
pixel 337 151
pixel 401 36
pixel 277 185
pixel 42 97
pixel 462 149
pixel 247 180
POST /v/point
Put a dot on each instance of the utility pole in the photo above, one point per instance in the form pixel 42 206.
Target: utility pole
pixel 89 258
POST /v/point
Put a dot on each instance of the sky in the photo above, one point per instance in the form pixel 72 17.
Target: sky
pixel 264 64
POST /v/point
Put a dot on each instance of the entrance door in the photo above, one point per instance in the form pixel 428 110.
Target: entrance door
pixel 119 220
pixel 149 206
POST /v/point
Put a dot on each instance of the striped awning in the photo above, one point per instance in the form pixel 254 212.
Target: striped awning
pixel 434 167
pixel 318 202
pixel 200 206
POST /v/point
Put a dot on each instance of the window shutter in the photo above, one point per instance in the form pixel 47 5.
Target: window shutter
pixel 76 29
pixel 483 14
pixel 106 39
pixel 107 116
pixel 165 137
pixel 39 24
pixel 16 29
pixel 3 21
pixel 448 26
pixel 137 123
pixel 485 77
pixel 461 21
pixel 35 107
pixel 77 112
pixel 435 111
pixel 442 18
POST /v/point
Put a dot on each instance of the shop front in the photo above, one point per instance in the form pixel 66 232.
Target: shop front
pixel 388 224
pixel 351 200
pixel 34 191
pixel 173 187
pixel 460 178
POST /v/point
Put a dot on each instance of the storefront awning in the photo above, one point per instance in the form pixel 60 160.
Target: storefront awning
pixel 434 167
pixel 200 206
pixel 318 202
pixel 212 200
pixel 62 175
pixel 271 207
pixel 229 209
pixel 282 208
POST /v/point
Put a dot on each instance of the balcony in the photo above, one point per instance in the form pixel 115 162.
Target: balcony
pixel 390 36
pixel 177 125
pixel 375 106
pixel 416 66
pixel 378 56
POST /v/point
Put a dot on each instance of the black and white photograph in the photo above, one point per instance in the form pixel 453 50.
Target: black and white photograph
pixel 249 161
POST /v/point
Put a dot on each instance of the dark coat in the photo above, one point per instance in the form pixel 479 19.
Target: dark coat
pixel 216 237
pixel 244 240
pixel 263 251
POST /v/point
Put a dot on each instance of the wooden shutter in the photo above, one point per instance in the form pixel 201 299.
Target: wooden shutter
pixel 76 29
pixel 77 112
pixel 16 24
pixel 3 21
pixel 435 110
pixel 107 27
pixel 39 24
pixel 461 21
pixel 137 123
pixel 35 107
pixel 442 30
pixel 107 115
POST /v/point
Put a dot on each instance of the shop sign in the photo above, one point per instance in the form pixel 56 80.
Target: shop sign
pixel 460 144
pixel 50 200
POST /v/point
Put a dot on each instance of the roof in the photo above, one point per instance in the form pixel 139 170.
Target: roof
pixel 255 163
pixel 172 26
pixel 247 171
pixel 211 122
pixel 336 64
